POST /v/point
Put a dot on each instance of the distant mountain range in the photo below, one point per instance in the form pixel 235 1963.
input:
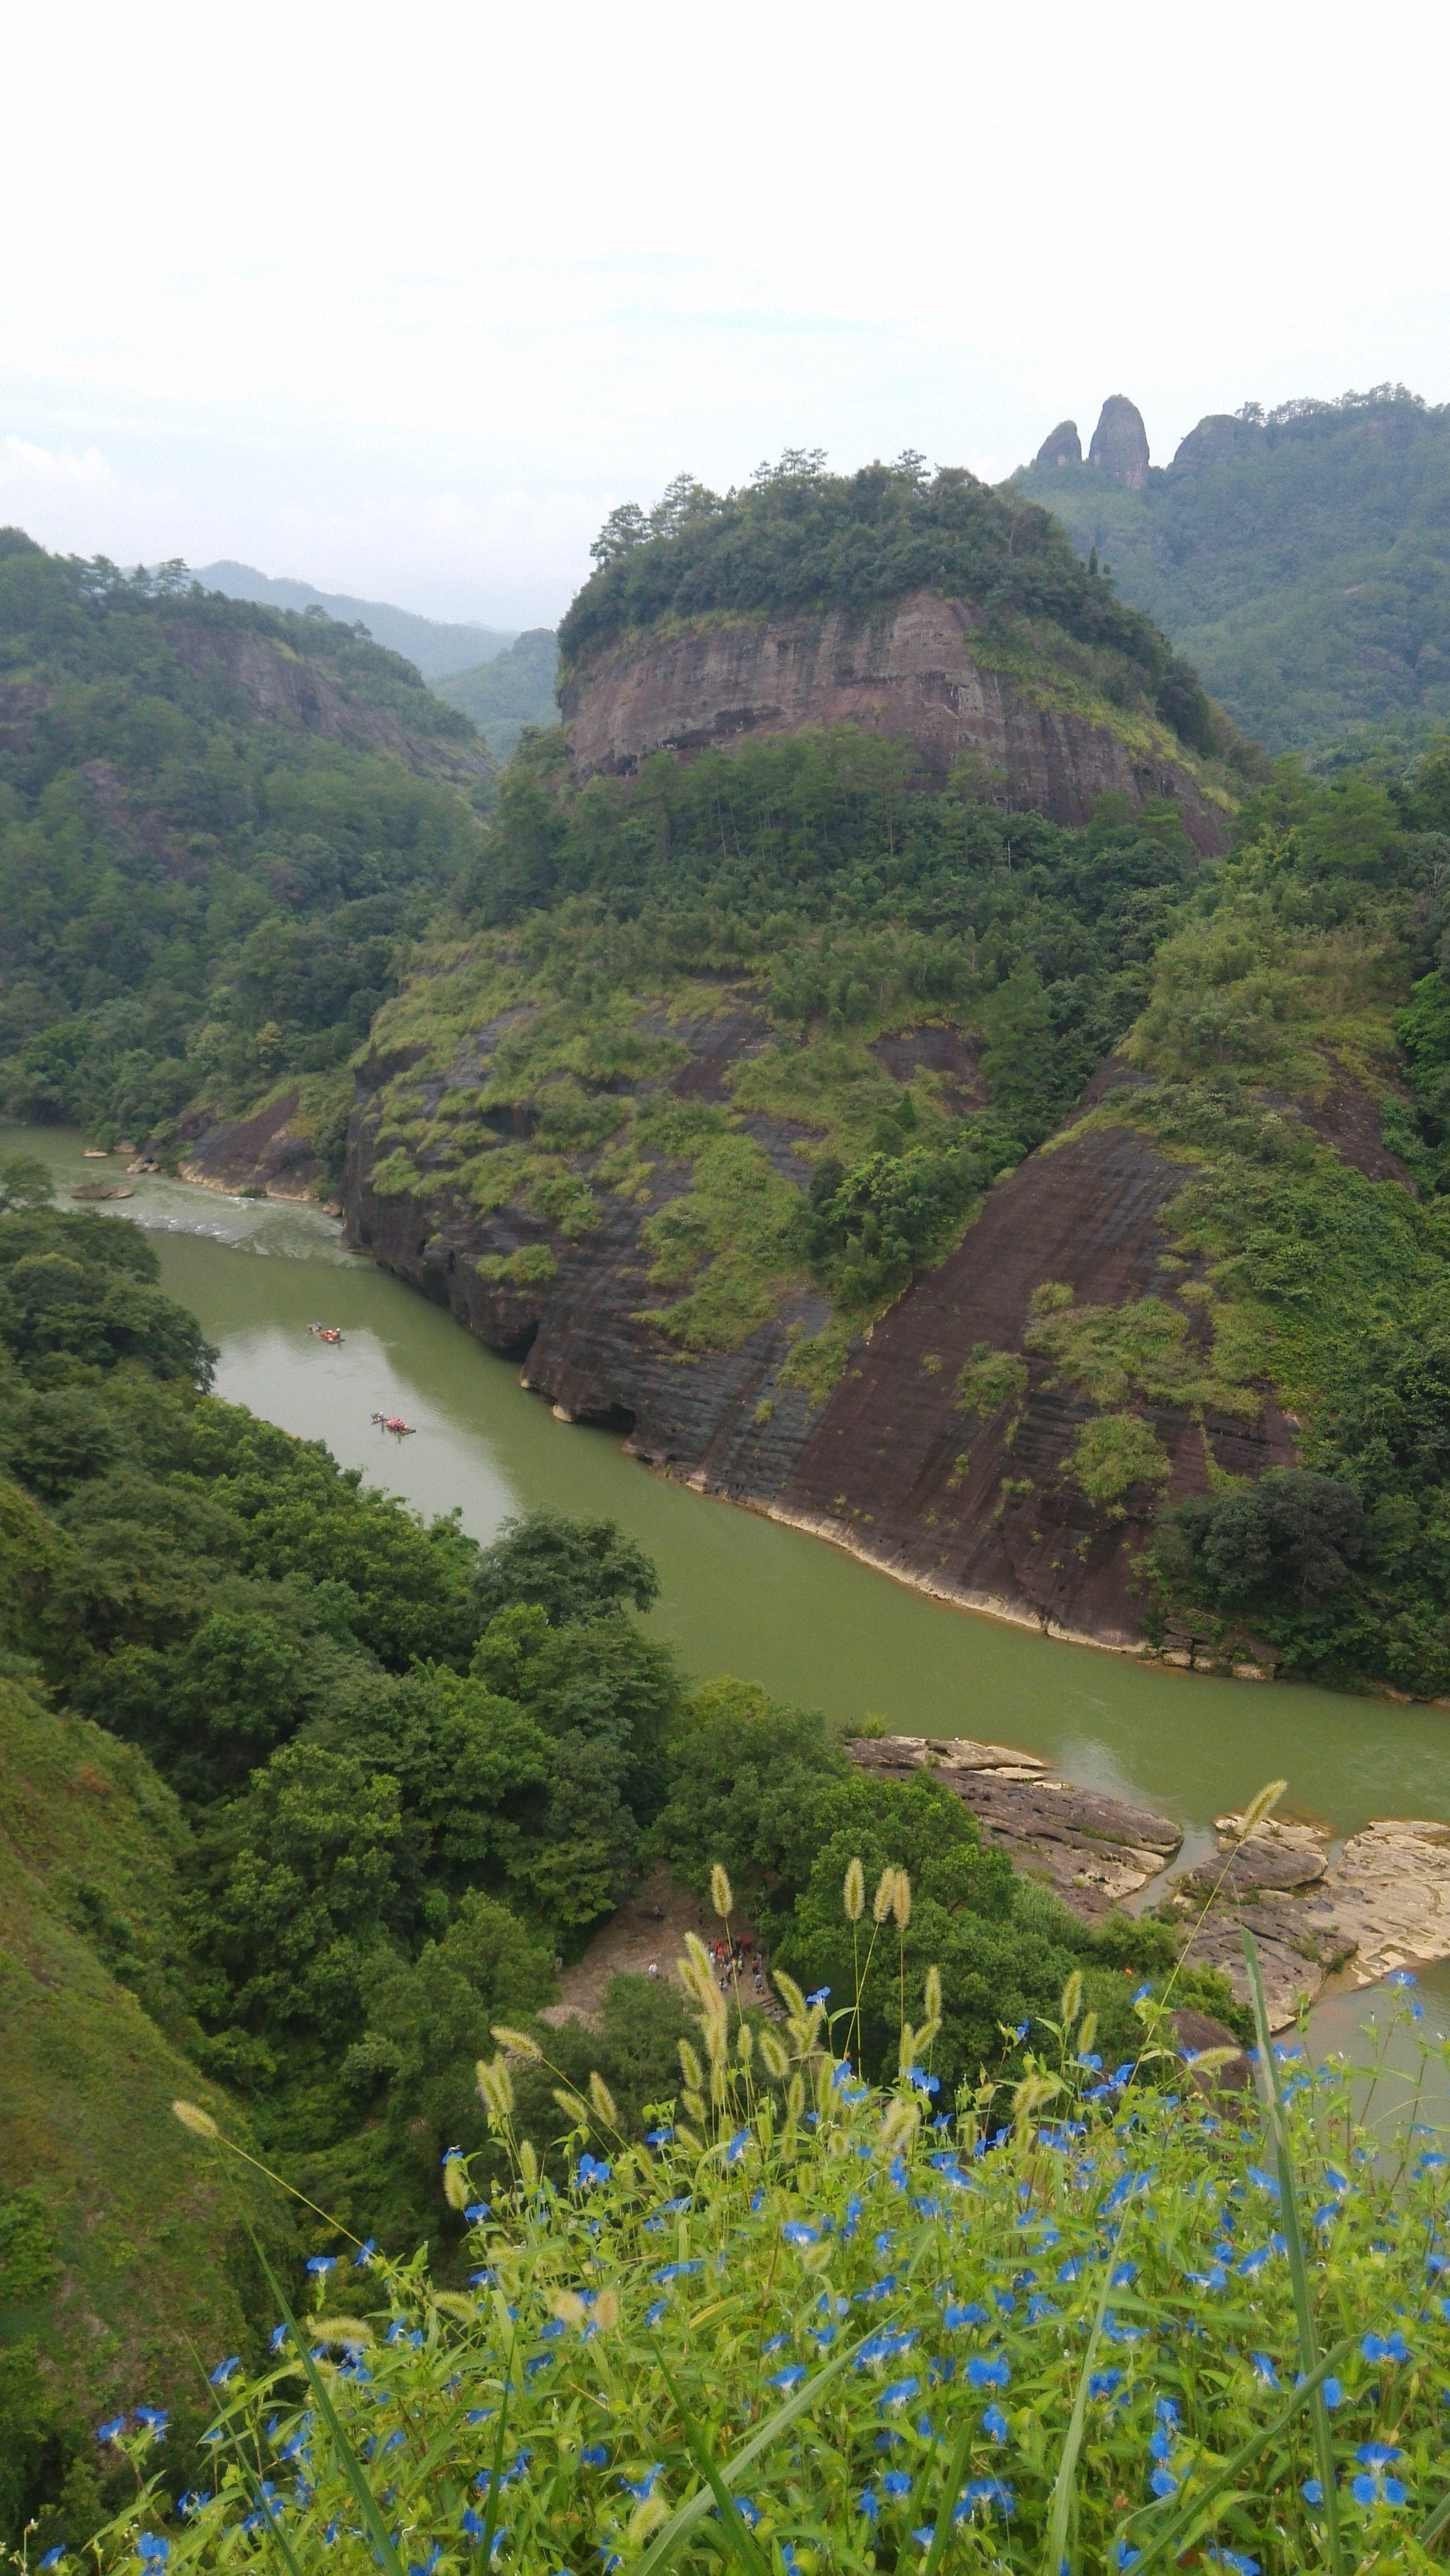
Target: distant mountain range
pixel 430 646
pixel 1299 558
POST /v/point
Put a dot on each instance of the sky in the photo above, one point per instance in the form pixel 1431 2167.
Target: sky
pixel 402 303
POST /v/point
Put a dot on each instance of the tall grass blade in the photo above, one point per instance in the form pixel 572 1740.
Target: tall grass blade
pixel 366 2501
pixel 495 2486
pixel 1064 2484
pixel 695 2507
pixel 1431 2529
pixel 956 2471
pixel 1298 2268
pixel 735 2531
pixel 1193 2519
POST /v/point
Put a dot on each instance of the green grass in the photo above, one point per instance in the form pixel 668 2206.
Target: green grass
pixel 150 2271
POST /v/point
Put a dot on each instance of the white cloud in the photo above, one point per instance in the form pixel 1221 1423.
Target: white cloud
pixel 404 304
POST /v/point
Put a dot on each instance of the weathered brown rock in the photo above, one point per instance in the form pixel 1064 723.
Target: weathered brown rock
pixel 285 688
pixel 264 1152
pixel 1195 2032
pixel 908 671
pixel 1061 447
pixel 1120 444
pixel 1091 1849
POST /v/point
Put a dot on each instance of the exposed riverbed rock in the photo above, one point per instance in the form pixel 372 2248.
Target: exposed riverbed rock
pixel 1090 1848
pixel 1381 1904
pixel 270 1153
pixel 908 670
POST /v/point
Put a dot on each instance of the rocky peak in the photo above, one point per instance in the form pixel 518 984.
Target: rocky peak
pixel 1120 443
pixel 1218 434
pixel 1062 447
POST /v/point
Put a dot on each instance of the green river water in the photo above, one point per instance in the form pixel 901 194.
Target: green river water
pixel 739 1593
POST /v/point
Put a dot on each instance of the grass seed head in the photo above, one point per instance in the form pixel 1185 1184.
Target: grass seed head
pixel 192 2116
pixel 721 1893
pixel 853 1894
pixel 603 2100
pixel 518 2043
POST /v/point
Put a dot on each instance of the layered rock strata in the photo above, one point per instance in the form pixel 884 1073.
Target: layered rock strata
pixel 908 671
pixel 1379 1903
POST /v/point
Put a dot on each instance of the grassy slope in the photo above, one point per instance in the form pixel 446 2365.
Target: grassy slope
pixel 145 2251
pixel 1305 575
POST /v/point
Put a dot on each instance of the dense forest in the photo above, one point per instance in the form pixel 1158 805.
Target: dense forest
pixel 218 823
pixel 1296 557
pixel 332 1791
pixel 510 692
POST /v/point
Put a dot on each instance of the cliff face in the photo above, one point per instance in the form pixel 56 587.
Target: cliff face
pixel 908 671
pixel 890 1464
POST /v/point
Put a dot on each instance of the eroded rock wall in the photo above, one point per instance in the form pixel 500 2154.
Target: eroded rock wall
pixel 889 1465
pixel 908 672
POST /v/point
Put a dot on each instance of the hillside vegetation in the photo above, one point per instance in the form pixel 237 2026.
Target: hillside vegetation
pixel 217 824
pixel 300 1797
pixel 506 694
pixel 1298 559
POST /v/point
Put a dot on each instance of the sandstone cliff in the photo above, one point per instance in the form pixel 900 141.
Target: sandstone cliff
pixel 978 1506
pixel 920 668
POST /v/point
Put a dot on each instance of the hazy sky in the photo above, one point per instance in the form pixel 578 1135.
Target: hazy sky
pixel 403 301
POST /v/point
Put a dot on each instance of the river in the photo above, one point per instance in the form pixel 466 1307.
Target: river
pixel 740 1594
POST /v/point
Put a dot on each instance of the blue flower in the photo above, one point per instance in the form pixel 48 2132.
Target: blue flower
pixel 594 2456
pixel 869 2503
pixel 1333 2393
pixel 1252 2264
pixel 151 2549
pixel 476 2212
pixel 968 2314
pixel 653 2315
pixel 796 2232
pixel 988 2370
pixel 1091 2060
pixel 1070 2270
pixel 112 2429
pixel 1390 2347
pixel 790 2377
pixel 54 2556
pixel 995 2423
pixel 1312 2492
pixel 737 2146
pixel 322 2263
pixel 1402 1977
pixel 643 2488
pixel 749 2512
pixel 155 2419
pixel 658 2137
pixel 822 1995
pixel 925 2535
pixel 1141 1994
pixel 1124 2275
pixel 899 2392
pixel 675 2271
pixel 923 2082
pixel 1265 2369
pixel 896 2483
pixel 1161 2445
pixel 988 2491
pixel 364 2255
pixel 1105 2383
pixel 1163 2482
pixel 589 2171
pixel 1237 2559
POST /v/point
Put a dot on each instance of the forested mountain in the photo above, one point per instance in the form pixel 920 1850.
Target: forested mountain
pixel 1300 558
pixel 514 689
pixel 217 823
pixel 431 644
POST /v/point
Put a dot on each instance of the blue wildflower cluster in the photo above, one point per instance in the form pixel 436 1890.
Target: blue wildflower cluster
pixel 877 2322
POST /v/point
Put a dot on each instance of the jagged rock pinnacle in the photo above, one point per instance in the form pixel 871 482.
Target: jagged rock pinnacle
pixel 1120 443
pixel 1063 447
